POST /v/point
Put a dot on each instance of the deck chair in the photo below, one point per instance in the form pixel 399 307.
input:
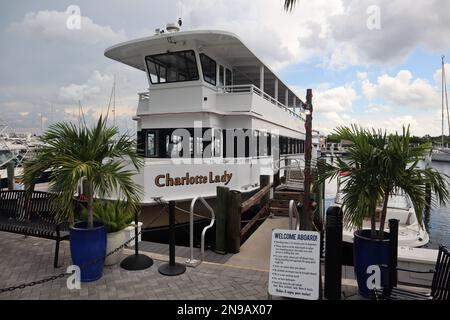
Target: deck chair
pixel 440 286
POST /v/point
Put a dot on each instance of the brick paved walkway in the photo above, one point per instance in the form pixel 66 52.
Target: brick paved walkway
pixel 27 259
pixel 24 260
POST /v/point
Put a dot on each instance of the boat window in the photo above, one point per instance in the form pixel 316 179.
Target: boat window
pixel 398 201
pixel 228 77
pixel 221 76
pixel 263 148
pixel 152 144
pixel 172 67
pixel 140 146
pixel 209 68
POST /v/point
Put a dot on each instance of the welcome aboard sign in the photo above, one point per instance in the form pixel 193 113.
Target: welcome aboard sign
pixel 295 264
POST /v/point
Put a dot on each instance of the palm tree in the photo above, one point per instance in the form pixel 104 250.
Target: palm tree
pixel 401 172
pixel 378 166
pixel 361 187
pixel 96 156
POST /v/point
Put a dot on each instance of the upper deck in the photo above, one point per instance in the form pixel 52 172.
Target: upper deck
pixel 210 71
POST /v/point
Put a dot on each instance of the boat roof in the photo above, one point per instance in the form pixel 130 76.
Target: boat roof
pixel 222 44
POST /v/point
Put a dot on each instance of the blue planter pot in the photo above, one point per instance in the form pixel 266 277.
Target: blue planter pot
pixel 369 252
pixel 87 245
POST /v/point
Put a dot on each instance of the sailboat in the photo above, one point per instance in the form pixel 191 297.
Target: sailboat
pixel 442 153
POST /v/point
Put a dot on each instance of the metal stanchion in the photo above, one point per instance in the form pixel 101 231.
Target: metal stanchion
pixel 393 240
pixel 137 261
pixel 333 254
pixel 172 268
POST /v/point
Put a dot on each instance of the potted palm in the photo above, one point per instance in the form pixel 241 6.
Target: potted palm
pixel 116 215
pixel 377 166
pixel 97 157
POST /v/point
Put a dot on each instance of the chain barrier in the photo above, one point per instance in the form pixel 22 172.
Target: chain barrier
pixel 65 274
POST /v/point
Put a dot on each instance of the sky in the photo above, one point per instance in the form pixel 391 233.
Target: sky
pixel 376 63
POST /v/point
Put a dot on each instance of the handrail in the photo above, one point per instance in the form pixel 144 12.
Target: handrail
pixel 255 198
pixel 292 210
pixel 242 88
pixel 191 261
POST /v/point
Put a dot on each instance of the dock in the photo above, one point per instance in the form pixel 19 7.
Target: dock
pixel 242 276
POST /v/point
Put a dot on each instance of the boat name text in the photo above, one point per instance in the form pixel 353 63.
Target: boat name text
pixel 165 180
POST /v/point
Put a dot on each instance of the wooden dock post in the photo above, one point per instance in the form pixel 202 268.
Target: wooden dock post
pixel 221 218
pixel 307 208
pixel 264 181
pixel 10 172
pixel 234 222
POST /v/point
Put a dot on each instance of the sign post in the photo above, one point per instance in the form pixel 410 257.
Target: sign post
pixel 295 264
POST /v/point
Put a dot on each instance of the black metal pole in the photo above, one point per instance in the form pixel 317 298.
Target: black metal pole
pixel 333 254
pixel 393 240
pixel 172 268
pixel 172 233
pixel 136 235
pixel 136 261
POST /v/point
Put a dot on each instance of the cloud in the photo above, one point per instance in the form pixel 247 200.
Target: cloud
pixel 376 108
pixel 96 85
pixel 403 27
pixel 402 90
pixel 335 30
pixel 338 99
pixel 438 74
pixel 52 26
pixel 278 37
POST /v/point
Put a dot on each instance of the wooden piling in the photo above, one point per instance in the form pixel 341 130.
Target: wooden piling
pixel 221 218
pixel 234 222
pixel 307 208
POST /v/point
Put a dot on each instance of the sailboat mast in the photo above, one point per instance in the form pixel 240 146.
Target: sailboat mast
pixel 446 95
pixel 442 100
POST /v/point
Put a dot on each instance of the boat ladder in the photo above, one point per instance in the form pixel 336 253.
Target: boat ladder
pixel 192 262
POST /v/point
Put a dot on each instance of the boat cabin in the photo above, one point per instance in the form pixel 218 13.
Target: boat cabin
pixel 202 86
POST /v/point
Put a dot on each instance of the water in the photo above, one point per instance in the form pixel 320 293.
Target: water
pixel 438 226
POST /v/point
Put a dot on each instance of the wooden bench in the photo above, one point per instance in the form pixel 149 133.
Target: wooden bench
pixel 440 287
pixel 32 214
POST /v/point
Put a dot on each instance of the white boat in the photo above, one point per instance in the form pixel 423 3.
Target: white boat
pixel 410 231
pixel 440 154
pixel 214 114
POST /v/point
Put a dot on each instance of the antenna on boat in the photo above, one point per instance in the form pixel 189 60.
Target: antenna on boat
pixel 114 102
pixel 81 114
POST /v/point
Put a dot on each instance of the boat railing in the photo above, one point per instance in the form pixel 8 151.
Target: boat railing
pixel 144 96
pixel 192 262
pixel 293 210
pixel 250 88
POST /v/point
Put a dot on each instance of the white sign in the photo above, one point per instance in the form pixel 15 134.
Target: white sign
pixel 295 264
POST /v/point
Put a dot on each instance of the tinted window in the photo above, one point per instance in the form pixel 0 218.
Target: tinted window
pixel 221 76
pixel 209 67
pixel 228 77
pixel 152 144
pixel 172 67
